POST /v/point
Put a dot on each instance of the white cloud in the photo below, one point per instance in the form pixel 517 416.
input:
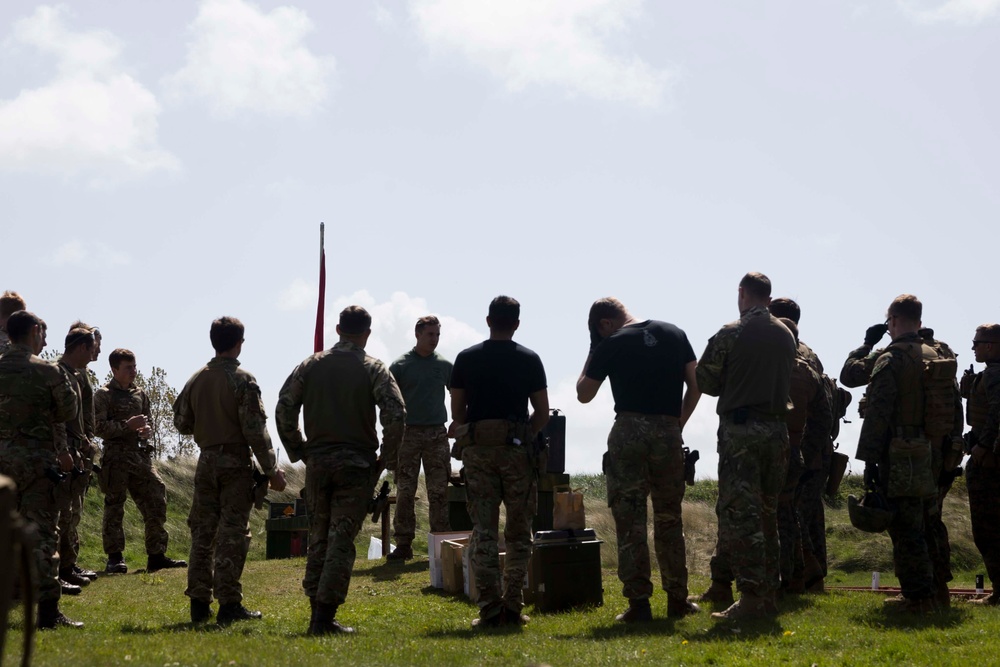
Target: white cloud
pixel 300 294
pixel 563 43
pixel 383 16
pixel 243 59
pixel 92 119
pixel 959 12
pixel 88 253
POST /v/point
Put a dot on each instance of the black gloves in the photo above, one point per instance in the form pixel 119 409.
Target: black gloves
pixel 871 476
pixel 874 334
pixel 595 338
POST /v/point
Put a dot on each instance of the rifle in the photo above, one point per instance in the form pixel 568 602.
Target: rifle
pixel 690 459
pixel 259 488
pixel 377 504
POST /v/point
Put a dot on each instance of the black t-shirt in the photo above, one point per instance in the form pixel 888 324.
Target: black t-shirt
pixel 646 363
pixel 498 376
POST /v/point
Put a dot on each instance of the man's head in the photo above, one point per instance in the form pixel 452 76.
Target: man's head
pixel 785 307
pixel 791 326
pixel 504 315
pixel 79 347
pixel 986 343
pixel 755 290
pixel 428 334
pixel 80 324
pixel 10 303
pixel 607 316
pixel 26 328
pixel 226 335
pixel 123 368
pixel 903 315
pixel 355 325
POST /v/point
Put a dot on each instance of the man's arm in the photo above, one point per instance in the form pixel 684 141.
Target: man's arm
pixel 286 414
pixel 540 410
pixel 183 412
pixel 692 394
pixel 586 388
pixel 253 424
pixel 876 429
pixel 391 410
pixel 819 425
pixel 459 410
pixel 989 437
pixel 858 367
pixel 104 425
pixel 710 374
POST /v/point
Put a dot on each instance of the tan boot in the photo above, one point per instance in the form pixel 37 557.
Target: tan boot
pixel 991 600
pixel 719 592
pixel 747 607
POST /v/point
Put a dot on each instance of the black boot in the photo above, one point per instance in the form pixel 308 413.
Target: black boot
pixel 50 618
pixel 89 574
pixel 201 611
pixel 235 611
pixel 400 554
pixel 71 577
pixel 324 623
pixel 157 562
pixel 116 564
pixel 638 612
pixel 68 588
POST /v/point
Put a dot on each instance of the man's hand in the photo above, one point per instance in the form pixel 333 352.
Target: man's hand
pixel 277 482
pixel 136 423
pixel 595 338
pixel 65 461
pixel 874 334
pixel 871 476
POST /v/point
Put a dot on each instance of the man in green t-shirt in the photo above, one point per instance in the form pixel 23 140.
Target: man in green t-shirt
pixel 422 375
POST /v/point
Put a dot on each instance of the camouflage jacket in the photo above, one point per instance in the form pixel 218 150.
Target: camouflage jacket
pixel 76 429
pixel 811 358
pixel 36 399
pixel 5 343
pixel 858 368
pixel 986 389
pixel 113 406
pixel 221 404
pixel 337 391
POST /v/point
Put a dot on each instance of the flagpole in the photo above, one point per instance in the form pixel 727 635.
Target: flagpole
pixel 318 335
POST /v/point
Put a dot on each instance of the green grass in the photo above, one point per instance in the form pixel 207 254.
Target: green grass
pixel 141 619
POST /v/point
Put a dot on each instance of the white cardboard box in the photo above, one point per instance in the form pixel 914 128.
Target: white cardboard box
pixel 434 541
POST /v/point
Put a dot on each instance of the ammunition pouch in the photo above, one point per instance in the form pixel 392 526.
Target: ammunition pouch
pixel 491 432
pixel 463 439
pixel 954 451
pixel 259 489
pixel 911 468
pixel 690 459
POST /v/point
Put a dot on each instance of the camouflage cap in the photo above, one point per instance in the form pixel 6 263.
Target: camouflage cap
pixel 871 514
pixel 988 333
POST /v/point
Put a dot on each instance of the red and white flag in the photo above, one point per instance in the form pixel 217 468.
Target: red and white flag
pixel 318 337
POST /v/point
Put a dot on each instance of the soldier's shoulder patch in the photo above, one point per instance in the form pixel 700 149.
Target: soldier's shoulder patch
pixel 884 361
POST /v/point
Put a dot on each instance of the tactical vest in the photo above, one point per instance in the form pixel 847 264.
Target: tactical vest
pixel 978 409
pixel 926 389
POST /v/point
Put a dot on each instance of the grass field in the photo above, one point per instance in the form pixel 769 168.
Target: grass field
pixel 141 619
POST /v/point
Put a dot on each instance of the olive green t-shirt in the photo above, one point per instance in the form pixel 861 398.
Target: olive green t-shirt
pixel 422 381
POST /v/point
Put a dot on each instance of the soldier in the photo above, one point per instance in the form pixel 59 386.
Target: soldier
pixel 491 386
pixel 87 394
pixel 649 362
pixel 983 471
pixel 78 352
pixel 338 390
pixel 896 446
pixel 221 407
pixel 422 375
pixel 10 303
pixel 36 401
pixel 748 365
pixel 121 414
pixel 785 307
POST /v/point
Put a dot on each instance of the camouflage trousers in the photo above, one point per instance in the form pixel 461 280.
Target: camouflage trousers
pixel 789 528
pixel 220 525
pixel 70 494
pixel 983 482
pixel 429 444
pixel 645 459
pixel 36 502
pixel 910 553
pixel 495 474
pixel 812 513
pixel 132 472
pixel 339 486
pixel 753 461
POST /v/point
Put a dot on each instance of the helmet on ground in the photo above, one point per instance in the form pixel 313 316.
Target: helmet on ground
pixel 871 514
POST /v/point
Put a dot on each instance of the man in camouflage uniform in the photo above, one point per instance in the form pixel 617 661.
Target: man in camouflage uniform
pixel 338 390
pixel 748 365
pixel 649 362
pixel 36 401
pixel 10 303
pixel 121 418
pixel 78 352
pixel 898 452
pixel 982 390
pixel 221 407
pixel 491 387
pixel 422 375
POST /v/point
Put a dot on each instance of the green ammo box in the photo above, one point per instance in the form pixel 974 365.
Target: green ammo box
pixel 566 570
pixel 287 530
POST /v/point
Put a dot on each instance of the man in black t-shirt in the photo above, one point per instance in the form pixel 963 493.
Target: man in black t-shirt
pixel 491 386
pixel 649 362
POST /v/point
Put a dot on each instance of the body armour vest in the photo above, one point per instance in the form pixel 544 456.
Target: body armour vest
pixel 978 408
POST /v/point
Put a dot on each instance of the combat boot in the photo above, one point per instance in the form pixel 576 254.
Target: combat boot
pixel 235 611
pixel 50 618
pixel 895 601
pixel 89 574
pixel 942 596
pixel 915 606
pixel 324 621
pixel 719 592
pixel 748 607
pixel 157 562
pixel 638 611
pixel 512 617
pixel 201 611
pixel 69 589
pixel 71 577
pixel 678 608
pixel 116 564
pixel 400 554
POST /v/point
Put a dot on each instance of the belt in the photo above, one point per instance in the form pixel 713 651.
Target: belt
pixel 909 432
pixel 670 419
pixel 424 426
pixel 228 448
pixel 743 415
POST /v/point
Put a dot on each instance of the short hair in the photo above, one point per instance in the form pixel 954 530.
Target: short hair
pixel 756 285
pixel 504 313
pixel 78 336
pixel 226 333
pixel 119 355
pixel 354 320
pixel 20 323
pixel 10 303
pixel 988 333
pixel 607 308
pixel 791 326
pixel 785 307
pixel 426 321
pixel 907 307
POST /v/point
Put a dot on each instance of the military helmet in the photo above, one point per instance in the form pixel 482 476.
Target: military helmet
pixel 871 514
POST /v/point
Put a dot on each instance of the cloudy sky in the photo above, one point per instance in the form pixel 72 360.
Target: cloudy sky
pixel 162 164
